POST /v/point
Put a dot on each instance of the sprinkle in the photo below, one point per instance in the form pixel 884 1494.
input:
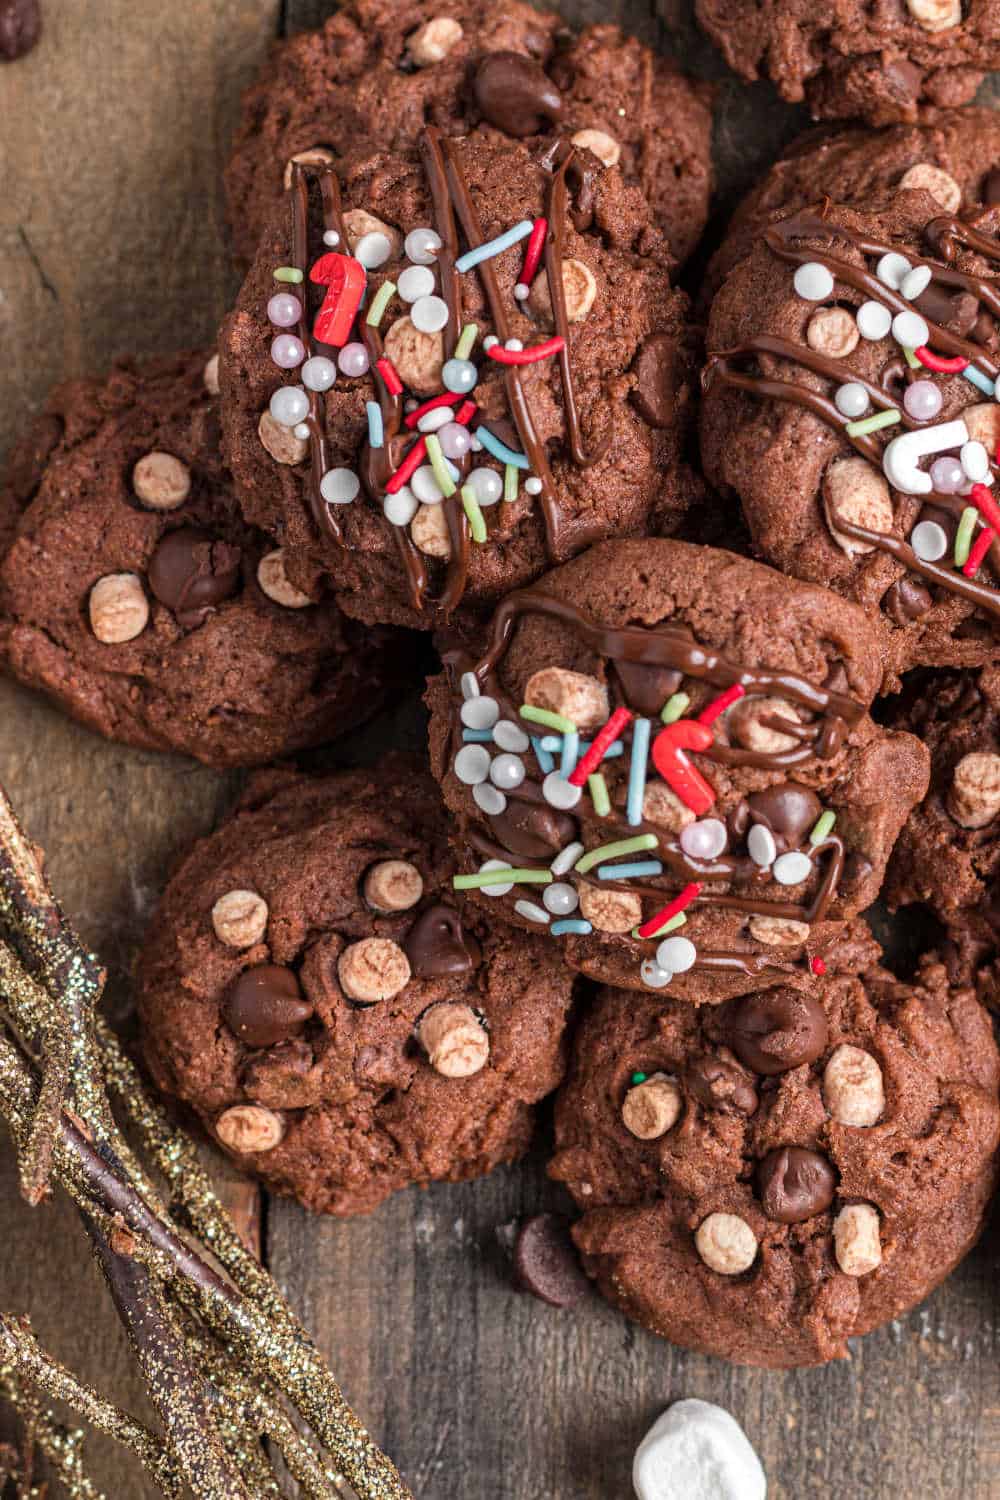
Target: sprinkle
pixel 979 549
pixel 940 362
pixel 543 757
pixel 675 922
pixel 570 924
pixel 387 370
pixel 532 912
pixel 553 742
pixel 501 877
pixel 533 253
pixel 435 453
pixel 637 772
pixel 978 379
pixel 683 778
pixel 465 413
pixel 506 455
pixel 505 355
pixel 545 717
pixel 289 273
pixel 598 789
pixel 477 521
pixel 818 965
pixel 874 423
pixel 411 463
pixel 570 754
pixel 638 1077
pixel 911 359
pixel 380 302
pixel 566 859
pixel 718 706
pixel 466 339
pixel 982 499
pixel 676 705
pixel 477 736
pixel 447 398
pixel 602 742
pixel 823 827
pixel 494 247
pixel 655 925
pixel 635 869
pixel 509 482
pixel 612 851
pixel 376 436
pixel 470 685
pixel 963 536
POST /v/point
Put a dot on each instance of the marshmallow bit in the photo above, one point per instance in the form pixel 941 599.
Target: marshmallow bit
pixel 697 1451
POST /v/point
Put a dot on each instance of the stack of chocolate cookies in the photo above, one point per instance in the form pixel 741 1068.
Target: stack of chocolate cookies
pixel 672 574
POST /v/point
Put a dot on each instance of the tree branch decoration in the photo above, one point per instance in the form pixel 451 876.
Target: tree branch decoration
pixel 230 1371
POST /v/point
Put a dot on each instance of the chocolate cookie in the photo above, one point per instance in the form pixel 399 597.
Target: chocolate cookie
pixel 766 1179
pixel 565 754
pixel 847 58
pixel 311 991
pixel 378 71
pixel 491 410
pixel 949 153
pixel 135 596
pixel 849 404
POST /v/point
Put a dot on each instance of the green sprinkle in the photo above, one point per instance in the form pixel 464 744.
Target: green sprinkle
pixel 477 520
pixel 439 464
pixel 466 339
pixel 912 360
pixel 639 1077
pixel 509 482
pixel 674 707
pixel 502 877
pixel 380 302
pixel 676 921
pixel 288 273
pixel 964 534
pixel 824 826
pixel 598 789
pixel 558 722
pixel 881 419
pixel 612 851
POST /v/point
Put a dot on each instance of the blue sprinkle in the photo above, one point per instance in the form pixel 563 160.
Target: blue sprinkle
pixel 553 743
pixel 570 755
pixel 506 455
pixel 494 247
pixel 477 736
pixel 637 772
pixel 633 871
pixel 544 758
pixel 376 436
pixel 570 924
pixel 979 379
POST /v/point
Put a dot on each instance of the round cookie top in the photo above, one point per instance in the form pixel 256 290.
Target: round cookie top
pixel 952 154
pixel 133 593
pixel 667 746
pixel 846 58
pixel 482 360
pixel 850 405
pixel 310 989
pixel 764 1180
pixel 378 70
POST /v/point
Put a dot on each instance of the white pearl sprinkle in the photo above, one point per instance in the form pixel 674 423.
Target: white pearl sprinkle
pixel 704 839
pixel 533 485
pixel 851 400
pixel 929 541
pixel 490 341
pixel 558 792
pixel 425 486
pixel 514 344
pixel 339 486
pixel 522 292
pixel 507 771
pixel 791 868
pixel 331 237
pixel 566 859
pixel 873 320
pixel 892 268
pixel 415 282
pixel 761 846
pixel 480 713
pixel 531 911
pixel 560 898
pixel 510 736
pixel 653 976
pixel 975 461
pixel 302 432
pixel 813 281
pixel 486 485
pixel 489 798
pixel 373 250
pixel 472 764
pixel 401 507
pixel 915 282
pixel 429 314
pixel 910 330
pixel 676 954
pixel 422 245
pixel 496 890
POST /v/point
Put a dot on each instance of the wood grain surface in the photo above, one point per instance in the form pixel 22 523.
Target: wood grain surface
pixel 111 238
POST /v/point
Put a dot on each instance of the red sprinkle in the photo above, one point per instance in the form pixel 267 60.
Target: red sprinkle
pixel 939 362
pixel 980 547
pixel 526 356
pixel 387 370
pixel 465 413
pixel 671 909
pixel 344 279
pixel 982 499
pixel 587 764
pixel 718 706
pixel 447 398
pixel 818 966
pixel 411 463
pixel 533 254
pixel 681 776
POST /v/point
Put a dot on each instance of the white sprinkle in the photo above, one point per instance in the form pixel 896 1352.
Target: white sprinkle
pixel 873 320
pixel 514 344
pixel 915 282
pixel 339 486
pixel 331 237
pixel 522 292
pixel 507 771
pixel 791 868
pixel 851 400
pixel 566 859
pixel 472 764
pixel 892 268
pixel 676 954
pixel 470 685
pixel 401 507
pixel 813 281
pixel 432 420
pixel 533 485
pixel 373 250
pixel 510 736
pixel 761 846
pixel 910 330
pixel 653 976
pixel 531 912
pixel 489 799
pixel 415 282
pixel 429 314
pixel 302 432
pixel 929 541
pixel 558 792
pixel 975 461
pixel 496 890
pixel 490 340
pixel 481 712
pixel 560 898
pixel 422 245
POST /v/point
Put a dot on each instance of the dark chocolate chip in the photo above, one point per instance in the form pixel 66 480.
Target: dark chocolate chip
pixel 794 1183
pixel 655 371
pixel 907 600
pixel 529 827
pixel 20 28
pixel 646 688
pixel 775 1030
pixel 265 1005
pixel 787 809
pixel 546 1262
pixel 437 944
pixel 957 312
pixel 516 94
pixel 718 1084
pixel 191 573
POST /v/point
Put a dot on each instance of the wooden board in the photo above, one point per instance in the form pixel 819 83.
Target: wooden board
pixel 111 238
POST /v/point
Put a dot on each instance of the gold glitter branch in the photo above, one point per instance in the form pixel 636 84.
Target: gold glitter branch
pixel 225 1361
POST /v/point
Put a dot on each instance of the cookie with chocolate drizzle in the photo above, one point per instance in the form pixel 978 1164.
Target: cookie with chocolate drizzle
pixel 766 1207
pixel 858 425
pixel 630 669
pixel 310 989
pixel 570 401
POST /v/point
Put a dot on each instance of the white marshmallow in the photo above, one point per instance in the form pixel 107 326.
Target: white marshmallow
pixel 697 1451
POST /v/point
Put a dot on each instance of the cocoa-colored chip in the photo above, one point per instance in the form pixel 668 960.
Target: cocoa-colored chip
pixel 546 1262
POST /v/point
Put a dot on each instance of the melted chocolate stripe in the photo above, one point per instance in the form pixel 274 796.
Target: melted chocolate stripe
pixel 321 512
